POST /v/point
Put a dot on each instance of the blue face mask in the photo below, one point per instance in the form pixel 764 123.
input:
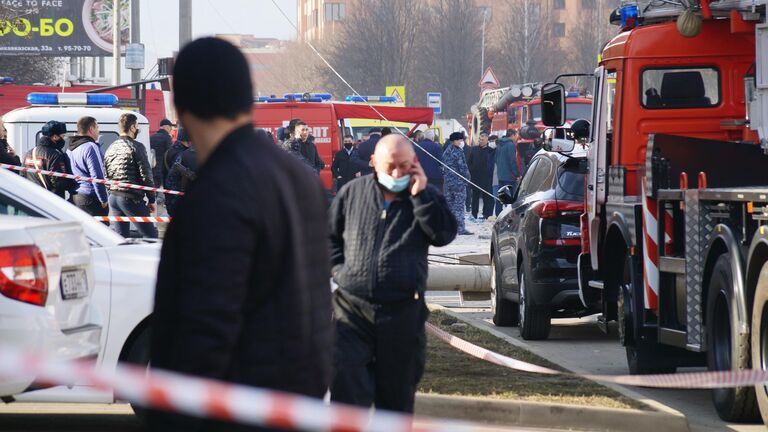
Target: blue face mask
pixel 395 185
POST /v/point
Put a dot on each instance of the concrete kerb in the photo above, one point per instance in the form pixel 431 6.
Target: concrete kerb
pixel 662 417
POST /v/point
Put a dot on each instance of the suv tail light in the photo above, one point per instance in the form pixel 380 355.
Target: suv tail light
pixel 551 209
pixel 23 275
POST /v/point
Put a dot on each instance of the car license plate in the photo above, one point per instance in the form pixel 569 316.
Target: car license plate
pixel 74 284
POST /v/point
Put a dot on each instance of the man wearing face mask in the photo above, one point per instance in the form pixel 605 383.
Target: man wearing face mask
pixel 48 155
pixel 382 226
pixel 346 163
pixel 126 161
pixel 456 187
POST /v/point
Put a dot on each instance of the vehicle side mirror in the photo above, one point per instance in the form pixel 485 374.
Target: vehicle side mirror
pixel 559 140
pixel 553 104
pixel 506 194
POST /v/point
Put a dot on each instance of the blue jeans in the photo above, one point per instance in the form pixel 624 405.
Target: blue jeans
pixel 123 206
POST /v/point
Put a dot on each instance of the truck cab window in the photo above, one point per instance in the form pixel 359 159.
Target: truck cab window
pixel 680 88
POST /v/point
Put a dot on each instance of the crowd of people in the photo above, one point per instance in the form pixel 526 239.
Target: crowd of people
pixel 125 160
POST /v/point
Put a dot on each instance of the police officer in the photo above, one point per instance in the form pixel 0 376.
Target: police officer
pixel 381 228
pixel 49 155
pixel 455 186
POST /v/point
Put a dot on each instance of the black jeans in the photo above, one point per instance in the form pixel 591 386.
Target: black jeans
pixel 379 352
pixel 90 204
pixel 488 201
pixel 124 206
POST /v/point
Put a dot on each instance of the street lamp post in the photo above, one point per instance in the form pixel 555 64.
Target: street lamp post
pixel 482 45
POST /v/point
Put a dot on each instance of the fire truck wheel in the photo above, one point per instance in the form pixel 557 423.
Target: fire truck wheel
pixel 643 356
pixel 727 351
pixel 535 320
pixel 505 313
pixel 480 122
pixel 760 338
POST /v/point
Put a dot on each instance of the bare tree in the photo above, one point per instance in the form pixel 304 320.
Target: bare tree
pixel 450 59
pixel 526 49
pixel 377 47
pixel 593 30
pixel 296 69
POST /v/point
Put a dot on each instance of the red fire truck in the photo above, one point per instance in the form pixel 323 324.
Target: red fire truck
pixel 674 239
pixel 326 120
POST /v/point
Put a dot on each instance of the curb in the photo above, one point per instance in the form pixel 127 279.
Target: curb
pixel 666 418
pixel 547 415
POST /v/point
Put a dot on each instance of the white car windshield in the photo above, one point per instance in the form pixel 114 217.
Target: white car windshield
pixel 19 196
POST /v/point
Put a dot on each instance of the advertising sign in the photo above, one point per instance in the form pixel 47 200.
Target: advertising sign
pixel 61 28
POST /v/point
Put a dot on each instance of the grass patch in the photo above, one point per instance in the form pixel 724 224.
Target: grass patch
pixel 451 372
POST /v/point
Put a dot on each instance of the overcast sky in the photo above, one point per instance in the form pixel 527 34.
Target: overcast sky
pixel 160 23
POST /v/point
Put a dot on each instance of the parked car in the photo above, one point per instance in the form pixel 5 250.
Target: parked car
pixel 46 287
pixel 535 244
pixel 124 275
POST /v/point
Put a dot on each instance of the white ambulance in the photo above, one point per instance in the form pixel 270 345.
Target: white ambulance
pixel 24 124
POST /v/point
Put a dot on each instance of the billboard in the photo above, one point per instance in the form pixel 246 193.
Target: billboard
pixel 62 28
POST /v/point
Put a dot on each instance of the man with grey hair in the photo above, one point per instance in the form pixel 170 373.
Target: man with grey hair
pixel 382 226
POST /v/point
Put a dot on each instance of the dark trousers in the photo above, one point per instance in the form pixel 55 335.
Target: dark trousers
pixel 503 183
pixel 124 206
pixel 90 204
pixel 488 200
pixel 379 352
pixel 469 198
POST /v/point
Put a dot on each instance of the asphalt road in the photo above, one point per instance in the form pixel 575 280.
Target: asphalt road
pixel 580 346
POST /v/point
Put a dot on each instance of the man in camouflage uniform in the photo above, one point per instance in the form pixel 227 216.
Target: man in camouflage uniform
pixel 455 186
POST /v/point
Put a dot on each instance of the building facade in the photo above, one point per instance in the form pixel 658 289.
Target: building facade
pixel 318 19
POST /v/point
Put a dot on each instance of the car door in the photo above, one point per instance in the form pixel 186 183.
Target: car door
pixel 508 225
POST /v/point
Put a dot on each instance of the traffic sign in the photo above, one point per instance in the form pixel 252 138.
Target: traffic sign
pixel 134 56
pixel 435 101
pixel 489 79
pixel 398 92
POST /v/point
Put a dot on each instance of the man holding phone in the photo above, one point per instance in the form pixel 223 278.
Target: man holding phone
pixel 382 226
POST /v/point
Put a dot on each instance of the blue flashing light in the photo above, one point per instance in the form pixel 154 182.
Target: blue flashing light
pixel 262 99
pixel 572 94
pixel 95 99
pixel 355 98
pixel 42 99
pixel 101 99
pixel 312 96
pixel 6 80
pixel 276 99
pixel 628 16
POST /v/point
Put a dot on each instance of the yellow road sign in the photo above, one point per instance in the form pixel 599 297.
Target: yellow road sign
pixel 398 92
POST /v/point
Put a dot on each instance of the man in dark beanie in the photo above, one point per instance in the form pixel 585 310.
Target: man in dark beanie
pixel 242 290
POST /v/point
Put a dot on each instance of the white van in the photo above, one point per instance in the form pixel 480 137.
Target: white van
pixel 24 124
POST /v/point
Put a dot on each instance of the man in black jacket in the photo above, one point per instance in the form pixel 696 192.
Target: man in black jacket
pixel 346 163
pixel 381 228
pixel 160 142
pixel 242 290
pixel 302 145
pixel 49 155
pixel 126 161
pixel 480 162
pixel 7 154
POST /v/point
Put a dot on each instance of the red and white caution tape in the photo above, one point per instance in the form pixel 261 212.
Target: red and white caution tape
pixel 206 398
pixel 692 380
pixel 90 179
pixel 134 219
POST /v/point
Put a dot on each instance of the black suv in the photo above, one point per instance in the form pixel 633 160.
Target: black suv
pixel 534 246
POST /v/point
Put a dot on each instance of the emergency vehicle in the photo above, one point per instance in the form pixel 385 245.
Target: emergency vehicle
pixel 674 238
pixel 24 125
pixel 326 120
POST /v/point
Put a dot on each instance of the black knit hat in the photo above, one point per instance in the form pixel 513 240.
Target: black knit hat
pixel 211 78
pixel 54 127
pixel 456 136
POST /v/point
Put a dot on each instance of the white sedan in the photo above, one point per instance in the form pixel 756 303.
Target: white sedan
pixel 46 285
pixel 125 274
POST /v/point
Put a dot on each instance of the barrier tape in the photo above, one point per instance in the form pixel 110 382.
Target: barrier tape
pixel 205 398
pixel 690 380
pixel 134 219
pixel 90 179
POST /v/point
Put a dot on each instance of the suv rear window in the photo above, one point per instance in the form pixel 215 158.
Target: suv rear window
pixel 570 180
pixel 680 88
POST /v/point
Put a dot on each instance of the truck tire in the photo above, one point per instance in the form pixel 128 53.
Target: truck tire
pixel 535 320
pixel 737 404
pixel 643 356
pixel 505 313
pixel 759 333
pixel 480 122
